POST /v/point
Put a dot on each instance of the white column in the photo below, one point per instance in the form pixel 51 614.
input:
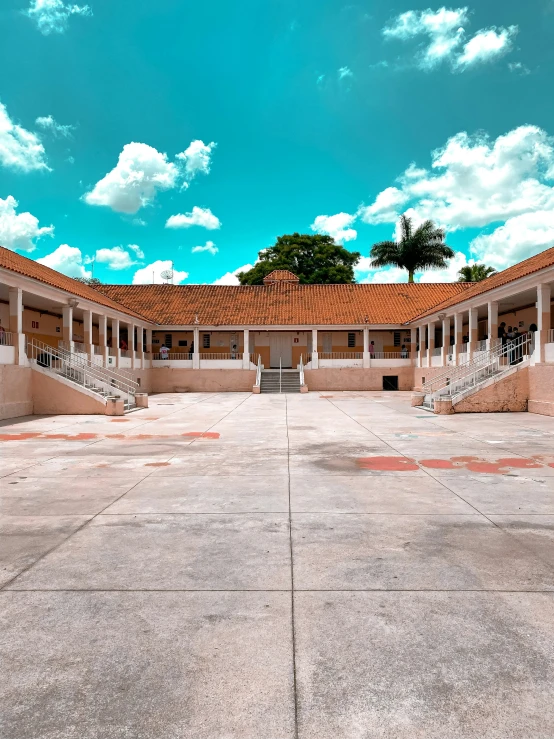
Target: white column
pixel 472 346
pixel 149 341
pixel 196 354
pixel 67 328
pixel 458 336
pixel 131 342
pixel 413 344
pixel 87 332
pixel 543 320
pixel 115 341
pixel 492 324
pixel 315 355
pixel 103 338
pixel 246 350
pixel 16 323
pixel 422 347
pixel 445 341
pixel 366 358
pixel 140 346
pixel 430 343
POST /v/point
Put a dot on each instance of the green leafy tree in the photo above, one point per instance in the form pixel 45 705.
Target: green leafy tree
pixel 417 249
pixel 314 259
pixel 92 281
pixel 475 273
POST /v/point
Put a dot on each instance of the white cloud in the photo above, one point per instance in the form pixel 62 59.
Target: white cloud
pixel 487 45
pixel 18 231
pixel 19 148
pixel 66 259
pixel 519 67
pixel 151 274
pixel 197 158
pixel 336 226
pixel 519 238
pixel 230 278
pixel 197 217
pixel 474 181
pixel 138 251
pixel 345 72
pixel 48 123
pixel 209 247
pixel 386 207
pixel 133 183
pixel 444 31
pixel 52 16
pixel 115 258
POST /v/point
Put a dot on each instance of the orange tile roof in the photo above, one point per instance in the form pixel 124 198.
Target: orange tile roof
pixel 282 303
pixel 280 274
pixel 521 269
pixel 29 268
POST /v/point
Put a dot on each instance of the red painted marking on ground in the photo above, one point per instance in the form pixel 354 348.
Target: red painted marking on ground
pixel 120 420
pixel 482 466
pixel 202 434
pixel 116 436
pixel 146 436
pixel 157 464
pixel 387 464
pixel 523 464
pixel 54 436
pixel 19 437
pixel 466 459
pixel 438 464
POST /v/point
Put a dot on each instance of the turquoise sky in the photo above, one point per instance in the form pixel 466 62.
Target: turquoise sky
pixel 315 108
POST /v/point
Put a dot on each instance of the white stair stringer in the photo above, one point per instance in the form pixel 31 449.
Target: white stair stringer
pixel 78 370
pixel 462 381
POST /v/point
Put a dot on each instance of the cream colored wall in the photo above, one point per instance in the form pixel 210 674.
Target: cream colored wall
pixel 16 391
pixel 507 395
pixel 220 341
pixel 541 389
pixel 50 396
pixel 357 379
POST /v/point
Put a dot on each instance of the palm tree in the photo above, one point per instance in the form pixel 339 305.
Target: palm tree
pixel 422 248
pixel 475 273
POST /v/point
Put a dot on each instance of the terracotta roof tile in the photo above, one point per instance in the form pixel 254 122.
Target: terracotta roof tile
pixel 522 269
pixel 29 268
pixel 282 303
pixel 284 275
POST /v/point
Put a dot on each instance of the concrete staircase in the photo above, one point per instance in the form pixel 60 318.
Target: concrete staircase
pixel 289 382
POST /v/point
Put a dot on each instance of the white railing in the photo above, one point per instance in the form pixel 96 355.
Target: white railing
pixel 481 346
pixel 390 355
pixel 79 347
pixel 280 374
pixel 125 353
pixel 259 372
pixel 112 351
pixel 6 338
pixel 471 373
pixel 97 349
pixel 341 355
pixel 172 355
pixel 79 369
pixel 223 355
pixel 301 368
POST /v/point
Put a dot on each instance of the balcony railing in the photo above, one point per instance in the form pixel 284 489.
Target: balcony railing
pixel 221 355
pixel 97 349
pixel 6 338
pixel 173 355
pixel 125 353
pixel 481 346
pixel 112 351
pixel 437 351
pixel 391 355
pixel 341 355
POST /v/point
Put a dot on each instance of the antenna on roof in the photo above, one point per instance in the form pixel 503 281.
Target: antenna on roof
pixel 167 274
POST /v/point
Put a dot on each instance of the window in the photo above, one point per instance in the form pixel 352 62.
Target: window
pixel 168 341
pixel 183 343
pixel 397 341
pixel 34 324
pixel 351 340
pixel 206 340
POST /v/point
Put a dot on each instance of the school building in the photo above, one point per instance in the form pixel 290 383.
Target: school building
pixel 66 347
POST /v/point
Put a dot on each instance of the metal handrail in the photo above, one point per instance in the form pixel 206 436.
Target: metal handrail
pixel 301 368
pixel 259 371
pixel 280 374
pixel 6 338
pixel 487 360
pixel 79 367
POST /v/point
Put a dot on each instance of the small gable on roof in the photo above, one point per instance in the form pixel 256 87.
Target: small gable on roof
pixel 281 275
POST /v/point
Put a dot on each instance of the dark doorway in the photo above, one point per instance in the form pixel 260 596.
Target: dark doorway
pixel 390 382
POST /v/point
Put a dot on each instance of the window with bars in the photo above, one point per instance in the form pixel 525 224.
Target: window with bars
pixel 351 339
pixel 206 340
pixel 397 339
pixel 168 340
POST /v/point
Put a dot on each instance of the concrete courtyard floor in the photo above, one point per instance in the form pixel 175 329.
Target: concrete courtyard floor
pixel 321 566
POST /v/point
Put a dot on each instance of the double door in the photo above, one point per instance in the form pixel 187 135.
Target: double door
pixel 280 348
